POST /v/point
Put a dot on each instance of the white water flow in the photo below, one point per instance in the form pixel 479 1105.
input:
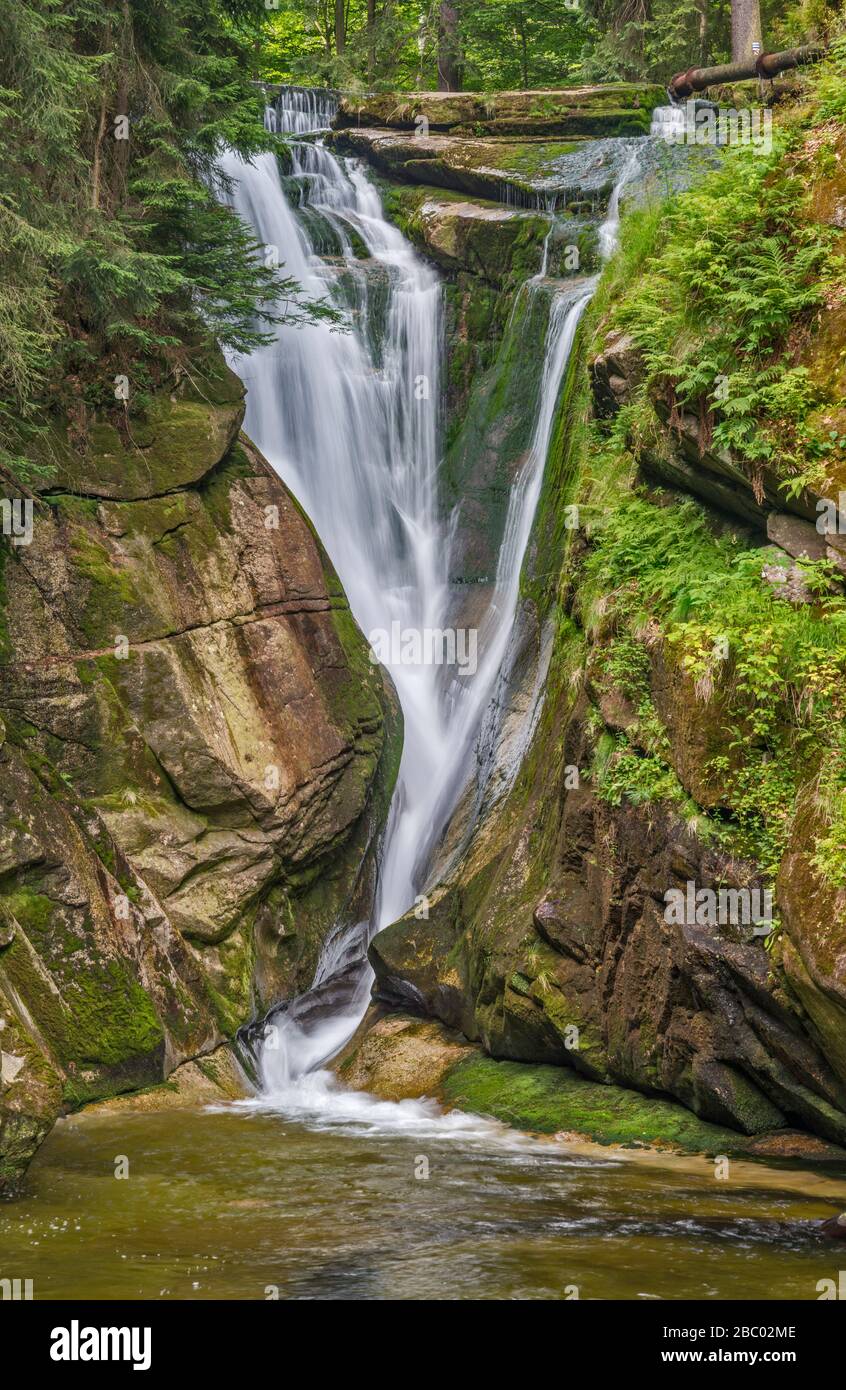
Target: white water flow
pixel 351 423
pixel 668 123
pixel 300 110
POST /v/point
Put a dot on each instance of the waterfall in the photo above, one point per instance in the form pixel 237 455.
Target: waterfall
pixel 301 110
pixel 350 420
pixel 668 123
pixel 499 632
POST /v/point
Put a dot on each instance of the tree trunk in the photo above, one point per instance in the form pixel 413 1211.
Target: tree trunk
pixel 340 26
pixel 703 32
pixel 323 23
pixel 371 39
pixel 745 30
pixel 105 85
pixel 449 48
pixel 121 147
pixel 98 146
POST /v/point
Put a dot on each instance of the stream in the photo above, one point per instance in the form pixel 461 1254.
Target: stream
pixel 247 1203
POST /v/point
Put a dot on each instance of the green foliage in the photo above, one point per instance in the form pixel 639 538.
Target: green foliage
pixel 735 267
pixel 503 44
pixel 511 44
pixel 829 84
pixel 393 44
pixel 115 253
pixel 829 856
pixel 779 671
pixel 719 289
pixel 654 39
pixel 622 772
pixel 633 40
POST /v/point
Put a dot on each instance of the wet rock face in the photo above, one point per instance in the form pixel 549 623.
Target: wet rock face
pixel 194 761
pixel 814 955
pixel 575 175
pixel 485 239
pixel 592 976
pixel 399 1057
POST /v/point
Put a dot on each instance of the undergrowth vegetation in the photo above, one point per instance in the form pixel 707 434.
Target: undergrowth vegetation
pixel 721 290
pixel 773 675
pixel 731 276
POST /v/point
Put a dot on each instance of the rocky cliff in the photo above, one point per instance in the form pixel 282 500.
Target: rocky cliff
pixel 652 766
pixel 197 756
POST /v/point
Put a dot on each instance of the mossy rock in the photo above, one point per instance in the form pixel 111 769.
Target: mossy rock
pixel 551 1100
pixel 616 108
pixel 177 440
pixel 186 814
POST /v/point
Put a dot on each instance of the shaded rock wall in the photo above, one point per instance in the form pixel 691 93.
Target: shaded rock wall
pixel 197 757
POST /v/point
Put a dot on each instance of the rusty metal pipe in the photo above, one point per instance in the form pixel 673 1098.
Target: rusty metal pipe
pixel 768 65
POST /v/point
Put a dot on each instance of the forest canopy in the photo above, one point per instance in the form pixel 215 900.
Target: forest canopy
pixel 481 45
pixel 114 249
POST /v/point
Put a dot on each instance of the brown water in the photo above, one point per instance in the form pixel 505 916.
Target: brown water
pixel 238 1202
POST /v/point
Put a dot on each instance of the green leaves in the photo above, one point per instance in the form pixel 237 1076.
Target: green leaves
pixel 113 247
pixel 779 671
pixel 736 268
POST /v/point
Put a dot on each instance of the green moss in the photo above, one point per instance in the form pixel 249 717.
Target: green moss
pixel 496 432
pixel 177 441
pixel 33 910
pixel 20 1136
pixel 89 1007
pixel 216 488
pixel 353 695
pixel 550 1100
pixel 111 591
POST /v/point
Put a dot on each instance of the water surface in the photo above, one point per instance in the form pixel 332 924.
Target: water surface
pixel 240 1201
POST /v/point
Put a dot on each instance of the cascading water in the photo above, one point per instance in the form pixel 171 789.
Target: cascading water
pixel 350 421
pixel 498 634
pixel 353 430
pixel 301 110
pixel 668 123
